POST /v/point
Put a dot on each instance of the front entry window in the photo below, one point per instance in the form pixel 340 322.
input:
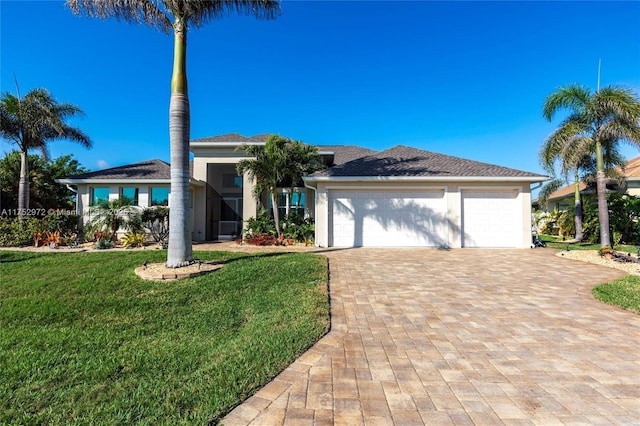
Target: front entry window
pixel 296 204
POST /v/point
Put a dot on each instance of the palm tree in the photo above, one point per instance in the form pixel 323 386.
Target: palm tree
pixel 599 120
pixel 112 215
pixel 176 16
pixel 301 160
pixel 266 168
pixel 281 162
pixel 31 122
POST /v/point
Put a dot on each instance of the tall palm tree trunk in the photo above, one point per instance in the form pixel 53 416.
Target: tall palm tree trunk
pixel 179 250
pixel 23 184
pixel 276 214
pixel 601 188
pixel 578 207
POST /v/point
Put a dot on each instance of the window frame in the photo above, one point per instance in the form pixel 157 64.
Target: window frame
pixel 92 196
pixel 136 197
pixel 151 189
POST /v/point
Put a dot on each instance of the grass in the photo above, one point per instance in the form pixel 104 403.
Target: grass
pixel 558 243
pixel 85 341
pixel 624 293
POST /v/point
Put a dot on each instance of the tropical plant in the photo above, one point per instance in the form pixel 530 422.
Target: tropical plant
pixel 15 232
pixel 156 222
pixel 280 162
pixel 625 218
pixel 301 160
pixel 176 16
pixel 133 239
pixel 110 216
pixel 31 122
pixel 103 244
pixel 600 121
pixel 44 192
pixel 298 228
pixel 262 224
pixel 574 156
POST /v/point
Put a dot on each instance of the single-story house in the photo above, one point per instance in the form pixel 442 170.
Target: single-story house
pixel 146 184
pixel 564 198
pixel 399 197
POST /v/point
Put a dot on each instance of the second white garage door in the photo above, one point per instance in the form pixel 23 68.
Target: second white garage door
pixel 387 218
pixel 491 219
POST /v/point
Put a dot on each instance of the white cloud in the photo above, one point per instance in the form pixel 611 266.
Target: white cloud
pixel 102 164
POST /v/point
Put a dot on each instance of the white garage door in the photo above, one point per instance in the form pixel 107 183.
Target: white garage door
pixel 491 219
pixel 387 219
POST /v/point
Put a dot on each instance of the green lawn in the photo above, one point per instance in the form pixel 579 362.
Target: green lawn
pixel 624 293
pixel 558 243
pixel 85 341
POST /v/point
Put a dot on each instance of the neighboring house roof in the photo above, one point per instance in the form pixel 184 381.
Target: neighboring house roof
pixel 566 191
pixel 632 169
pixel 405 162
pixel 631 173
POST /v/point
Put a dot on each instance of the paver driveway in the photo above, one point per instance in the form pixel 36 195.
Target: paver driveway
pixel 461 337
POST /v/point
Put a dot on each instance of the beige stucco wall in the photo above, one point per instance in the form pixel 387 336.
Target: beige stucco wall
pixel 204 162
pixel 197 209
pixel 633 188
pixel 453 194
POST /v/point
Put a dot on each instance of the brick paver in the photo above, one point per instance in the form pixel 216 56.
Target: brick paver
pixel 424 336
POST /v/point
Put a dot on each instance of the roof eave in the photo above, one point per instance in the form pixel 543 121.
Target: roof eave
pixel 192 181
pixel 205 144
pixel 425 178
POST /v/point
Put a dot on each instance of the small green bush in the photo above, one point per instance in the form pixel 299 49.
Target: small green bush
pixel 155 220
pixel 103 244
pixel 298 228
pixel 15 232
pixel 262 224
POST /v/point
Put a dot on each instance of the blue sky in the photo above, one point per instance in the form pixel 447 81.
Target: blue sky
pixel 461 78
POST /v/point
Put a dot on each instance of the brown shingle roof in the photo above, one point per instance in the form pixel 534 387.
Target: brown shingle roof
pixel 402 161
pixel 234 137
pixel 632 168
pixel 151 169
pixel 631 171
pixel 345 153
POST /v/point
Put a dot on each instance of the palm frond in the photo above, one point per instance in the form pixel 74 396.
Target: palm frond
pixel 574 97
pixel 161 14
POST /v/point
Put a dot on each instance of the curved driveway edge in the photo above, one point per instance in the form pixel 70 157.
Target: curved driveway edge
pixel 425 336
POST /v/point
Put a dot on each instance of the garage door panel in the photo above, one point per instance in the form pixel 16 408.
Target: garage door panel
pixel 490 219
pixel 387 218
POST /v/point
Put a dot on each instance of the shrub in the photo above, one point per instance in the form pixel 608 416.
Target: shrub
pixel 114 214
pixel 133 239
pixel 103 244
pixel 624 218
pixel 261 239
pixel 155 220
pixel 23 231
pixel 15 232
pixel 262 229
pixel 298 228
pixel 262 224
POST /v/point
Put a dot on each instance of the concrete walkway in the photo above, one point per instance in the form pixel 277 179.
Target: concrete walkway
pixel 461 337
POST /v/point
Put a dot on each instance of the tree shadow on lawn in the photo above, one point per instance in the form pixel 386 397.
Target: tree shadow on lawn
pixel 17 256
